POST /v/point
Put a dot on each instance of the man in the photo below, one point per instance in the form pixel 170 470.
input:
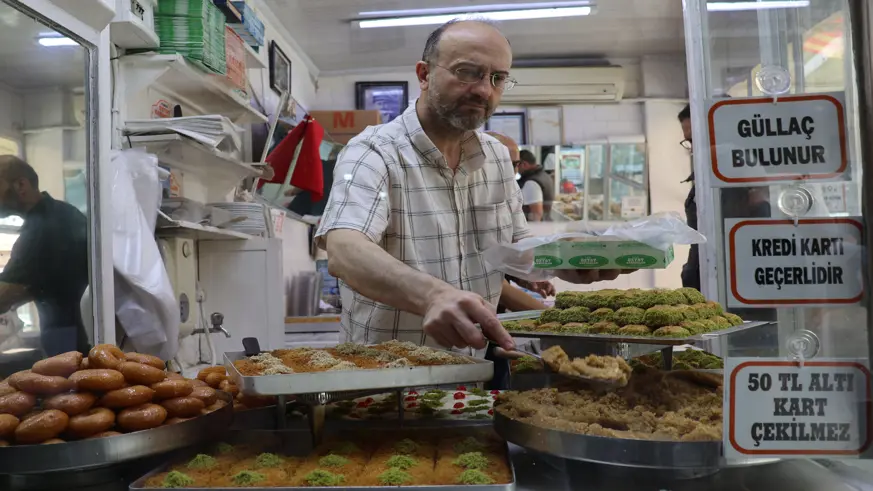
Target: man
pixel 537 188
pixel 511 298
pixel 416 201
pixel 735 203
pixel 49 261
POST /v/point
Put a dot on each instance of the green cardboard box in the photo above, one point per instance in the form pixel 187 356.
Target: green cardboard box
pixel 601 253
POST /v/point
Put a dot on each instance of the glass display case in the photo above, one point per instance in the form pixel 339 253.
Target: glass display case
pixel 601 181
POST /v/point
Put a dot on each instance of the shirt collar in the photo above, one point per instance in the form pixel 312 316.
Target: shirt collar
pixel 472 155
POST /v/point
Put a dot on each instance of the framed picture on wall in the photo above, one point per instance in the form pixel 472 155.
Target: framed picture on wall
pixel 280 69
pixel 389 98
pixel 511 124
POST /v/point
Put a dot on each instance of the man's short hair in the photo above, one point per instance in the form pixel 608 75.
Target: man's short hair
pixel 13 168
pixel 528 156
pixel 431 47
pixel 685 114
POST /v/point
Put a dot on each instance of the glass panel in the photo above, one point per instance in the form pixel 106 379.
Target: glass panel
pixel 628 160
pixel 568 205
pixel 44 227
pixel 626 201
pixel 596 182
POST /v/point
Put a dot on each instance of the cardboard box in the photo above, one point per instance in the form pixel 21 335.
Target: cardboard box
pixel 601 253
pixel 342 126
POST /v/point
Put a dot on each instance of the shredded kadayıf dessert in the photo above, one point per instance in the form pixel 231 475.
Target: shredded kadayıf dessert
pixel 681 406
pixel 611 369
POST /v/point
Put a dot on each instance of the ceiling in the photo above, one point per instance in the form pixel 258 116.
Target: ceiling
pixel 27 65
pixel 618 29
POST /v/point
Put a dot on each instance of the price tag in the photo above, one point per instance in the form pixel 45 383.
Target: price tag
pixel 777 408
pixel 834 197
pixel 777 262
pixel 755 140
pixel 633 206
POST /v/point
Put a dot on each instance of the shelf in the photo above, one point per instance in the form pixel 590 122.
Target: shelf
pixel 253 60
pixel 174 75
pixel 187 155
pixel 191 230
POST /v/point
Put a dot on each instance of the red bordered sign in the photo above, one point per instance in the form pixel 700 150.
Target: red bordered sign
pixel 797 138
pixel 778 262
pixel 777 408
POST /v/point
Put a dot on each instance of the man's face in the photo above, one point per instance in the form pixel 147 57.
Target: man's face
pixel 468 49
pixel 10 202
pixel 686 129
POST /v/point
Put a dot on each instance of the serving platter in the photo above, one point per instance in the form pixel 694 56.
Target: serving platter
pixel 358 382
pixel 104 452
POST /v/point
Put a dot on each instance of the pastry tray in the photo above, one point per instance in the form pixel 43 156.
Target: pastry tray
pixel 477 370
pixel 298 440
pixel 613 451
pixel 102 452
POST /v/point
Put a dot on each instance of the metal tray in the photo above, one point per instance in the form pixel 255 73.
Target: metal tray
pixel 663 342
pixel 297 438
pixel 103 452
pixel 478 370
pixel 613 451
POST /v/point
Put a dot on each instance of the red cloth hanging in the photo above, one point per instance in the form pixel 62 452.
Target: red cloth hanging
pixel 308 174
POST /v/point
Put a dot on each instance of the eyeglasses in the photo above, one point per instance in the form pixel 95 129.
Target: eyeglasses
pixel 686 144
pixel 500 81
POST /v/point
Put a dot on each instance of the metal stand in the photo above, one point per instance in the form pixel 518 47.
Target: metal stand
pixel 667 358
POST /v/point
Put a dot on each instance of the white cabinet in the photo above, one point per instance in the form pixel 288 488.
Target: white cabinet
pixel 243 280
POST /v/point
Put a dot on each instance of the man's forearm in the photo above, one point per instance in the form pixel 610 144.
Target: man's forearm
pixel 535 212
pixel 12 295
pixel 375 274
pixel 515 300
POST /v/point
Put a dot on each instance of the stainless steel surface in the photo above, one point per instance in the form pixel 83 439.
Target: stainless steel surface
pixel 578 346
pixel 477 370
pixel 296 442
pixel 517 316
pixel 610 338
pixel 612 451
pixel 304 294
pixel 102 452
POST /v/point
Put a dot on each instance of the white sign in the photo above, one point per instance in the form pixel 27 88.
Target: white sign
pixel 775 262
pixel 633 206
pixel 755 140
pixel 776 408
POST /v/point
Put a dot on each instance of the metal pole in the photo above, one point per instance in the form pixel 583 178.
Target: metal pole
pixel 860 16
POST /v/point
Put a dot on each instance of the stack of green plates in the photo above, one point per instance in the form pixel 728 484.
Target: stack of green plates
pixel 194 29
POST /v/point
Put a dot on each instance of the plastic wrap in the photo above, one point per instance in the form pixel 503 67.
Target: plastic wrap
pixel 660 231
pixel 145 304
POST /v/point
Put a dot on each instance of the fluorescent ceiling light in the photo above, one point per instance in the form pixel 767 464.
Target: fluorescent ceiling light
pixel 761 5
pixel 56 41
pixel 16 350
pixel 424 20
pixel 459 9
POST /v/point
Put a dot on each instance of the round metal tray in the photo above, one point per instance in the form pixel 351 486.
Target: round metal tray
pixel 102 452
pixel 613 451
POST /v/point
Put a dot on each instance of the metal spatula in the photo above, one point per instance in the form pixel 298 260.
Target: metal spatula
pixel 597 382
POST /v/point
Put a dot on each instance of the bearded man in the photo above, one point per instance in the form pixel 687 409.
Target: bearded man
pixel 416 201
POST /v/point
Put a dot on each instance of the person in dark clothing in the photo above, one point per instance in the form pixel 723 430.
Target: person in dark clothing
pixel 735 203
pixel 49 261
pixel 537 188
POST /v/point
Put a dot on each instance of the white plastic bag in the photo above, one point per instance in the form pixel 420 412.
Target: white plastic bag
pixel 145 304
pixel 659 231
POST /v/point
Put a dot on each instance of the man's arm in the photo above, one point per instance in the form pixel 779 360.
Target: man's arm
pixel 12 295
pixel 515 300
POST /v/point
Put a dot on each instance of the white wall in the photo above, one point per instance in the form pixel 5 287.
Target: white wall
pixel 12 115
pixel 303 71
pixel 593 122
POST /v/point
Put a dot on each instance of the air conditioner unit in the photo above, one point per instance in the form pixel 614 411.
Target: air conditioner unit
pixel 566 85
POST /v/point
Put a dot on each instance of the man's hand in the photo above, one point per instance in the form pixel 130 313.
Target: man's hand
pixel 451 319
pixel 544 288
pixel 586 276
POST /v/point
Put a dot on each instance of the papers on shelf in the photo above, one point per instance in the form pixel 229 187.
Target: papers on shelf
pixel 213 130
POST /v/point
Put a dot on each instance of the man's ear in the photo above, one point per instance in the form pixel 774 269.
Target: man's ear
pixel 422 71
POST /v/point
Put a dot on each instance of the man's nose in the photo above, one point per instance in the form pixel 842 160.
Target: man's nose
pixel 483 88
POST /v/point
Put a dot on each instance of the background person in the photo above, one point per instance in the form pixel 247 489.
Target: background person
pixel 537 188
pixel 49 261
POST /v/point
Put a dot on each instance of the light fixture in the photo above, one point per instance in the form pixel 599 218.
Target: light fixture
pixel 498 12
pixel 54 41
pixel 17 350
pixel 761 5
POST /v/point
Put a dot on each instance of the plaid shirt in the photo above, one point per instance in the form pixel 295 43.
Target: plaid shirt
pixel 392 184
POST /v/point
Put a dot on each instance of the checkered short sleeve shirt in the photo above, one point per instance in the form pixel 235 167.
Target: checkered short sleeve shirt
pixel 393 185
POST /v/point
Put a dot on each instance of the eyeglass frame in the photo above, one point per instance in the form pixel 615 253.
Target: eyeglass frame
pixel 686 144
pixel 482 73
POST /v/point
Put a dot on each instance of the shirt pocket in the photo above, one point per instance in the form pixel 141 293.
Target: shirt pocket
pixel 492 224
